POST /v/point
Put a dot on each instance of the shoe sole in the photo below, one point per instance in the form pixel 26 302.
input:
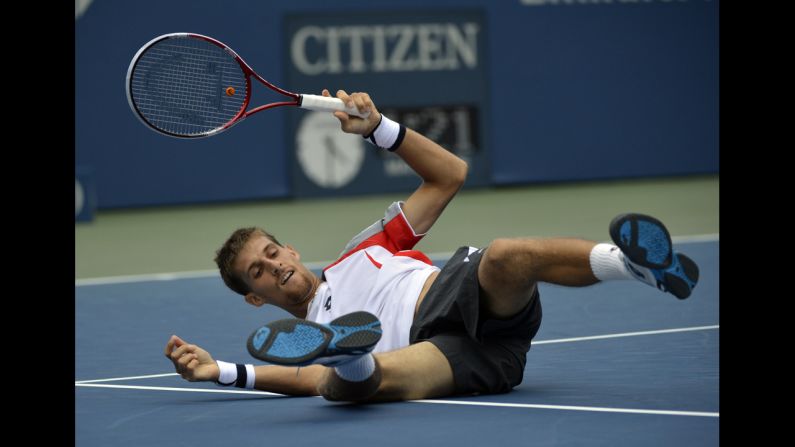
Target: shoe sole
pixel 678 286
pixel 296 342
pixel 653 250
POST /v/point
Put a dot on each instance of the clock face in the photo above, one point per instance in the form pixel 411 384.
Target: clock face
pixel 328 156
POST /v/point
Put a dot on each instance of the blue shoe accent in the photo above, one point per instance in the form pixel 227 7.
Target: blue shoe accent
pixel 260 336
pixel 643 239
pixel 342 334
pixel 680 278
pixel 297 342
pixel 646 242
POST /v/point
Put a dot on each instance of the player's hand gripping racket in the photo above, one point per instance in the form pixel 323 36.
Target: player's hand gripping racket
pixel 188 85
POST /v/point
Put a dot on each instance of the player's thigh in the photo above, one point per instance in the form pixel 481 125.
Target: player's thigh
pixel 505 277
pixel 418 371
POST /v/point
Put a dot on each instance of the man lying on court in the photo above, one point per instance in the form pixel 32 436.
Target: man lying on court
pixel 383 323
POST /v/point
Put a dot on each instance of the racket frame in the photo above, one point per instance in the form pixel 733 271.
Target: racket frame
pixel 296 98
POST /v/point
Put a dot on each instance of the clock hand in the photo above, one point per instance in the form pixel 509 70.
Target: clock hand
pixel 332 148
pixel 332 151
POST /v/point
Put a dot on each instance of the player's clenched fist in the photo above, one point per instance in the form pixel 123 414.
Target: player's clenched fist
pixel 191 362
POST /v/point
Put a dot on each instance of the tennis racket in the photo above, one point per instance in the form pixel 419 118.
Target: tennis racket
pixel 190 86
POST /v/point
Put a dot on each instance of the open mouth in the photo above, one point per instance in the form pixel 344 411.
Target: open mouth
pixel 286 277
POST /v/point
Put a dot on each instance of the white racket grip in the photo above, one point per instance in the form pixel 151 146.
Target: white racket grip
pixel 328 104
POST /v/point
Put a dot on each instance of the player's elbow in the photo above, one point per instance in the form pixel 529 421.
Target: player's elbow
pixel 458 173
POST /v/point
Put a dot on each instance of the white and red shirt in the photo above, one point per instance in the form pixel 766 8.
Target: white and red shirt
pixel 377 272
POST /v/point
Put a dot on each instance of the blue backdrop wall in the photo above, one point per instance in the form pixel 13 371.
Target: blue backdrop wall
pixel 557 91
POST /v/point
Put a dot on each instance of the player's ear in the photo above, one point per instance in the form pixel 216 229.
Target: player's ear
pixel 254 300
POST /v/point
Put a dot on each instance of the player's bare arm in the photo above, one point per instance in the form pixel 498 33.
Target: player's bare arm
pixel 442 173
pixel 194 364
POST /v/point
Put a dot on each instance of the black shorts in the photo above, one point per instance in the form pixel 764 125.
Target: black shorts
pixel 487 355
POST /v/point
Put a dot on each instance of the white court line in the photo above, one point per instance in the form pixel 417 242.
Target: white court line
pixel 429 401
pixel 146 277
pixel 541 342
pixel 171 276
pixel 311 265
pixel 150 376
pixel 572 408
pixel 167 388
pixel 626 334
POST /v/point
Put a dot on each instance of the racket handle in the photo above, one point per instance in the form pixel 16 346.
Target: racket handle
pixel 327 104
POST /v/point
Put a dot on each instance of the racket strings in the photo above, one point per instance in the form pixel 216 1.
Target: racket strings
pixel 179 86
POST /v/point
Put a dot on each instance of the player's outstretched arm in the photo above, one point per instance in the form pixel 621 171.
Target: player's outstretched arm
pixel 442 173
pixel 289 380
pixel 194 364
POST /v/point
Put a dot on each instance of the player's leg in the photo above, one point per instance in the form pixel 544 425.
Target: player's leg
pixel 418 371
pixel 354 374
pixel 510 268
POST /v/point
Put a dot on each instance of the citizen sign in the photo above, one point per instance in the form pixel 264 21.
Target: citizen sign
pixel 317 50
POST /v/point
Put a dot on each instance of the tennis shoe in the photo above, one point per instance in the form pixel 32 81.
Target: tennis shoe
pixel 298 342
pixel 649 255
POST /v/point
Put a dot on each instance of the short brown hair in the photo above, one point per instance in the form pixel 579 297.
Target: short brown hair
pixel 226 255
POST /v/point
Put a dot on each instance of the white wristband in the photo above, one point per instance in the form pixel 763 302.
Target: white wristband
pixel 387 134
pixel 241 376
pixel 228 374
pixel 250 376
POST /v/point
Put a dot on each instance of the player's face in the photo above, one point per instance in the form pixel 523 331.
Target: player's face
pixel 275 275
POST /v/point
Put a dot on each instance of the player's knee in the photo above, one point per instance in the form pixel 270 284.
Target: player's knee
pixel 499 259
pixel 420 371
pixel 334 388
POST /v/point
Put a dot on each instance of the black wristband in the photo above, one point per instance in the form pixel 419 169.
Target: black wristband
pixel 241 376
pixel 399 140
pixel 387 134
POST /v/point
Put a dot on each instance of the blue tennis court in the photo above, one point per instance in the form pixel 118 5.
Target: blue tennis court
pixel 616 364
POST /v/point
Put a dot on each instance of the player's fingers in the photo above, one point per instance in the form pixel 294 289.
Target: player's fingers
pixel 341 94
pixel 342 116
pixel 193 364
pixel 177 353
pixel 325 92
pixel 368 102
pixel 169 346
pixel 182 366
pixel 178 341
pixel 185 359
pixel 358 101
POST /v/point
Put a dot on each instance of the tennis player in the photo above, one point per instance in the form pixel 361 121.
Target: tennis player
pixel 382 323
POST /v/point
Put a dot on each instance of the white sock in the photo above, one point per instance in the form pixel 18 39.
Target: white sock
pixel 609 263
pixel 357 370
